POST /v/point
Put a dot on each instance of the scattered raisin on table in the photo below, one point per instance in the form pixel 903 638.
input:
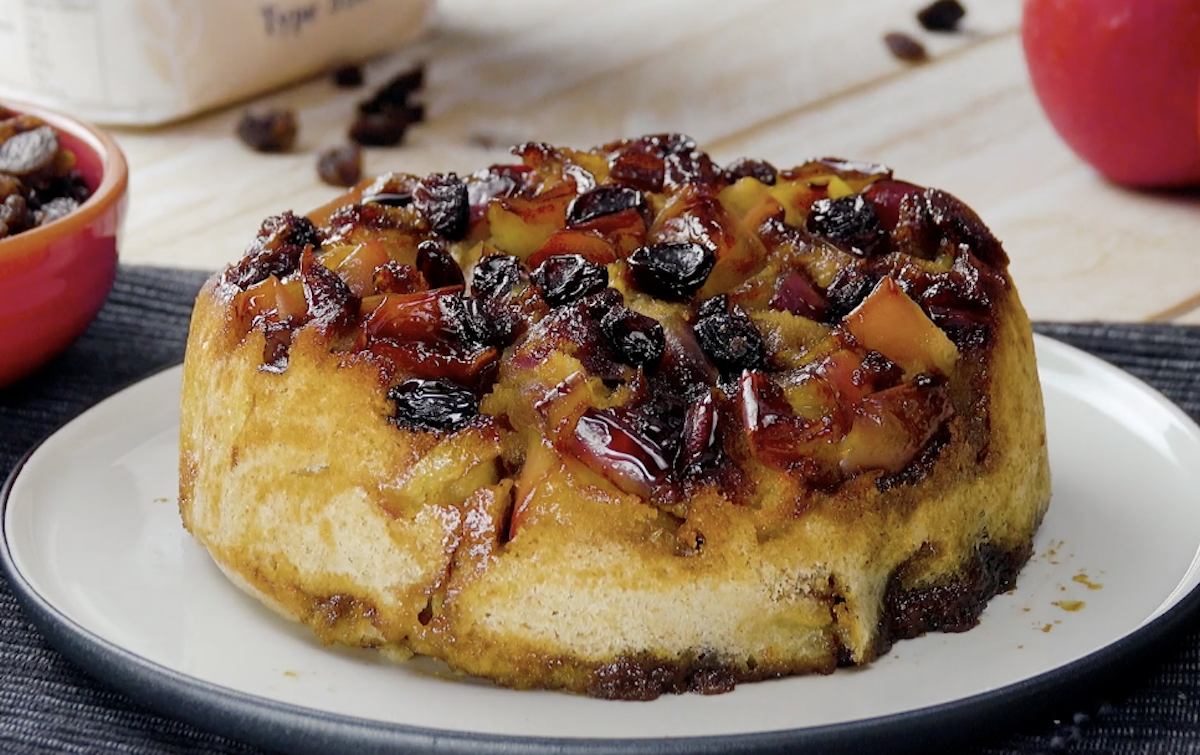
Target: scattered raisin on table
pixel 340 166
pixel 905 47
pixel 348 76
pixel 941 15
pixel 383 120
pixel 271 131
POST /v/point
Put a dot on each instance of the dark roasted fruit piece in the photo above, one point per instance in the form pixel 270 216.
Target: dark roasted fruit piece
pixel 568 277
pixel 796 294
pixel 731 341
pixel 777 436
pixel 272 131
pixel 433 405
pixel 436 264
pixel 340 166
pixel 672 270
pixel 745 167
pixel 849 222
pixel 638 340
pixel 495 275
pixel 442 201
pixel 638 171
pixel 610 445
pixel 601 201
pixel 699 448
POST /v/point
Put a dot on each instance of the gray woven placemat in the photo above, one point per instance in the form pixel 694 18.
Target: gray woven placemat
pixel 47 705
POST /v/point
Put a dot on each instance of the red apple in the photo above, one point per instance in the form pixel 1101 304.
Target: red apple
pixel 1119 79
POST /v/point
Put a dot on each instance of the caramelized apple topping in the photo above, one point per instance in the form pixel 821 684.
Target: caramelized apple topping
pixel 658 319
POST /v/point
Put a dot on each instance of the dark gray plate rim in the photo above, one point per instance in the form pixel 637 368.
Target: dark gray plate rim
pixel 295 729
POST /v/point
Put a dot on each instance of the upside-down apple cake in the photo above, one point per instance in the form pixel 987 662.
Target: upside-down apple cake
pixel 619 421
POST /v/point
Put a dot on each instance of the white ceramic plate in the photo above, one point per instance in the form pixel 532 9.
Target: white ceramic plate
pixel 93 546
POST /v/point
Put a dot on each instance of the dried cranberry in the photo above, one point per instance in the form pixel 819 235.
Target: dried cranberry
pixel 564 278
pixel 849 222
pixel 731 341
pixel 433 405
pixel 638 340
pixel 340 166
pixel 495 275
pixel 941 15
pixel 748 168
pixel 671 270
pixel 442 201
pixel 603 200
pixel 438 267
pixel 272 131
pixel 494 322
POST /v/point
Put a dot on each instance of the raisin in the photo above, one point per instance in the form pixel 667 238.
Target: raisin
pixel 717 305
pixel 398 90
pixel 272 131
pixel 941 15
pixel 638 340
pixel 348 76
pixel 747 168
pixel 671 270
pixel 340 166
pixel 495 275
pixel 383 129
pixel 433 405
pixel 603 200
pixel 442 201
pixel 695 168
pixel 849 222
pixel 438 267
pixel 904 47
pixel 29 151
pixel 276 249
pixel 565 278
pixel 55 209
pixel 731 342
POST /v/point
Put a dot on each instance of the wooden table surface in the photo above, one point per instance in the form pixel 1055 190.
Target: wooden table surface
pixel 783 80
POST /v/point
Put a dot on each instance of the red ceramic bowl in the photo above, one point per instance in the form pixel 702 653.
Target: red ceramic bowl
pixel 54 278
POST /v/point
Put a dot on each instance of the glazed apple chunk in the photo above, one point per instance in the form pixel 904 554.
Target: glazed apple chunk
pixel 664 321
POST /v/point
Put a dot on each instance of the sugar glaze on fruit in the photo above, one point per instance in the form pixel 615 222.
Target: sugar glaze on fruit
pixel 816 312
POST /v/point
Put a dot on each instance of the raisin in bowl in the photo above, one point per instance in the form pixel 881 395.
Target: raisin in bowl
pixel 62 205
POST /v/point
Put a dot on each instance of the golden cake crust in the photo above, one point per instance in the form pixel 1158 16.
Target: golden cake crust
pixel 492 549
